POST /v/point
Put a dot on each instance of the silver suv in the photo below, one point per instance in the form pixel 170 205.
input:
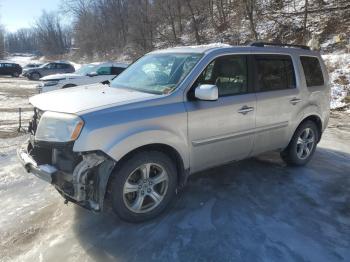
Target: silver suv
pixel 58 67
pixel 173 113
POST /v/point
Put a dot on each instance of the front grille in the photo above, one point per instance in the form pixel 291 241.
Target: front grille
pixel 33 124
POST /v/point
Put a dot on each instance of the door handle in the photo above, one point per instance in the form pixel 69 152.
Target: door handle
pixel 295 101
pixel 245 109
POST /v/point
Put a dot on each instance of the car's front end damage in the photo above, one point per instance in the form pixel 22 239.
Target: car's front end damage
pixel 80 177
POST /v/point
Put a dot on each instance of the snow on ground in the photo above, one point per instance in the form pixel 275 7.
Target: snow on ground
pixel 14 94
pixel 339 74
pixel 256 209
pixel 24 59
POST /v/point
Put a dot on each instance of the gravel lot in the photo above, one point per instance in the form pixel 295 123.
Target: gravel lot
pixel 253 210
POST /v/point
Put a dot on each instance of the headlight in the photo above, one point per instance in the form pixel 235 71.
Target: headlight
pixel 58 127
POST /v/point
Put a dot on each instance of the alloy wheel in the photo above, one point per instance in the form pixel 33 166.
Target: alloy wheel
pixel 145 188
pixel 305 143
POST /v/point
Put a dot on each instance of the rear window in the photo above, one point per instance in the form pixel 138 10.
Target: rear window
pixel 63 66
pixel 312 71
pixel 274 72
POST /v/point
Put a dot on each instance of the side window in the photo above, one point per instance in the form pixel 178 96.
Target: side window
pixel 117 70
pixel 228 73
pixel 62 66
pixel 51 66
pixel 104 71
pixel 274 72
pixel 312 70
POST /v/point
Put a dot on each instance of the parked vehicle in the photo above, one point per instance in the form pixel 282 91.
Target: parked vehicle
pixel 59 67
pixel 173 113
pixel 87 74
pixel 10 69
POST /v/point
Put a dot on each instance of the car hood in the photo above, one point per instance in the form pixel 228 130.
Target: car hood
pixel 60 76
pixel 82 98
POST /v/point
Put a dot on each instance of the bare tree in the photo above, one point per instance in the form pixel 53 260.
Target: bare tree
pixel 194 21
pixel 53 38
pixel 2 43
pixel 250 7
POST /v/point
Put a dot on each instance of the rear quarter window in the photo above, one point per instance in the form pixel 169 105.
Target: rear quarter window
pixel 117 70
pixel 312 70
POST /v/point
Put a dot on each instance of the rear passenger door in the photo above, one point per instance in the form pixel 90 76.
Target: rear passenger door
pixel 278 101
pixel 62 68
pixel 8 69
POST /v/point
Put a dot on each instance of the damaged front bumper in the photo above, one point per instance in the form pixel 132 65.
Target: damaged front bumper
pixel 79 178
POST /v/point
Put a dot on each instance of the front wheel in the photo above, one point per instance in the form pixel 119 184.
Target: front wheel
pixel 35 76
pixel 15 74
pixel 143 186
pixel 302 146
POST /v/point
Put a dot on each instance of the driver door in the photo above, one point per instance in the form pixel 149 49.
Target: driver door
pixel 222 131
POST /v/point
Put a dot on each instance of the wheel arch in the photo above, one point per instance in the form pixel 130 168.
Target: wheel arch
pixel 69 85
pixel 182 172
pixel 35 72
pixel 317 120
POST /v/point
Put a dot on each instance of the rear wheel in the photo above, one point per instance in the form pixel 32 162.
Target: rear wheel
pixel 15 74
pixel 303 144
pixel 143 186
pixel 35 76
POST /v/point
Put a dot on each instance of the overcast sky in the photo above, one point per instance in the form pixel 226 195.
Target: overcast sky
pixel 15 14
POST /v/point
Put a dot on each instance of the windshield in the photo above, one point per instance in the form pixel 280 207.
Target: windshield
pixel 157 73
pixel 43 65
pixel 86 69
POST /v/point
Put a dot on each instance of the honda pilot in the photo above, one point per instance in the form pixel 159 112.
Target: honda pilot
pixel 172 113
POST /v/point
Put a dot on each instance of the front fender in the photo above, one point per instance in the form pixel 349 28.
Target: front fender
pixel 127 143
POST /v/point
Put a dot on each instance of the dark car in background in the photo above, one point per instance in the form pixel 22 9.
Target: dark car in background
pixel 10 69
pixel 58 67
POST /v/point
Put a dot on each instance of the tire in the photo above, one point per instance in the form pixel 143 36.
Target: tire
pixel 133 194
pixel 303 144
pixel 35 76
pixel 15 74
pixel 69 85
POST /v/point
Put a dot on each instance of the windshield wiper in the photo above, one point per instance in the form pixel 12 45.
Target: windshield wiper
pixel 155 92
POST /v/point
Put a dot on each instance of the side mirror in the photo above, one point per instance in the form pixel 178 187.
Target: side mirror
pixel 207 92
pixel 92 74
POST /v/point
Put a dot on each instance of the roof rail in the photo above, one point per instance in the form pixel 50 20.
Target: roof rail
pixel 263 44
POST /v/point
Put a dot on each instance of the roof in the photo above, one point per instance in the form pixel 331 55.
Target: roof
pixel 62 62
pixel 110 63
pixel 7 61
pixel 192 49
pixel 234 49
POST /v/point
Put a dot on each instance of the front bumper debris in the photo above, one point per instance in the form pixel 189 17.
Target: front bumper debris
pixel 80 179
pixel 45 172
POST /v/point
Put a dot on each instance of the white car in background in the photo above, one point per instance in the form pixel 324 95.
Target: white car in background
pixel 88 74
